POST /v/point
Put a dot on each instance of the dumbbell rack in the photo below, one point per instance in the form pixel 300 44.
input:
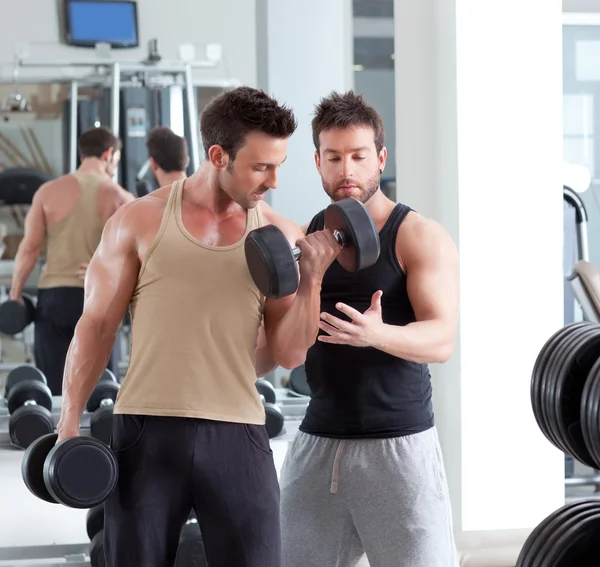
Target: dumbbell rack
pixel 73 555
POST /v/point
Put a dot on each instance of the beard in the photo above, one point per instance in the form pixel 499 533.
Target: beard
pixel 362 191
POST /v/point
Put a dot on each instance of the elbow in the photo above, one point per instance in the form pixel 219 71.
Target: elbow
pixel 291 360
pixel 444 352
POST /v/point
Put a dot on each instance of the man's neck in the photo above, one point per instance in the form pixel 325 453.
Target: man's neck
pixel 165 179
pixel 93 165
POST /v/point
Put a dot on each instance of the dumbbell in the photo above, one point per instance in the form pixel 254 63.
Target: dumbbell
pixel 95 530
pixel 274 415
pixel 21 373
pixel 272 261
pixel 101 405
pixel 29 405
pixel 298 383
pixel 16 316
pixel 79 472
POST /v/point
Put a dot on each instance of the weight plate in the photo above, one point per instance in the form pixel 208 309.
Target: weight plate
pixel 271 262
pixel 569 386
pixel 94 520
pixel 561 523
pixel 16 316
pixel 29 391
pixel 266 389
pixel 22 373
pixel 550 375
pixel 578 545
pixel 32 466
pixel 274 421
pixel 106 390
pixel 29 423
pixel 108 376
pixel 352 219
pixel 539 373
pixel 97 558
pixel 81 472
pixel 101 424
pixel 534 543
pixel 590 423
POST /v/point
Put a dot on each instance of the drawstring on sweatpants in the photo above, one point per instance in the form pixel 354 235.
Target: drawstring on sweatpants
pixel 335 475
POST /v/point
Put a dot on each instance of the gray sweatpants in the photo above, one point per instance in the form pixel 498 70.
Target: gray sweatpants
pixel 386 497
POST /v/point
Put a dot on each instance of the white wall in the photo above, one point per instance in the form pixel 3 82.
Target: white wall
pixel 479 122
pixel 228 22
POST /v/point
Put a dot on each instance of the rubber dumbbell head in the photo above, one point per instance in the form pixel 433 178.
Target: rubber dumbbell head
pixel 24 372
pixel 108 376
pixel 97 557
pixel 29 405
pixel 272 261
pixel 274 418
pixel 266 389
pixel 94 521
pixel 101 406
pixel 15 316
pixel 79 472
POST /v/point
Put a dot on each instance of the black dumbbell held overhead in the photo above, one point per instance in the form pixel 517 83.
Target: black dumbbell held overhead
pixel 272 261
pixel 79 472
pixel 29 405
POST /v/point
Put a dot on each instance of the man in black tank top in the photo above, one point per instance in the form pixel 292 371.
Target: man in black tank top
pixel 365 473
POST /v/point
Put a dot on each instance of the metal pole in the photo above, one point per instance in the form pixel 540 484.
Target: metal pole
pixel 193 117
pixel 73 127
pixel 115 98
pixel 581 218
pixel 115 108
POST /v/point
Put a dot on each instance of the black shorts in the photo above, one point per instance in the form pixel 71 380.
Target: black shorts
pixel 57 313
pixel 168 466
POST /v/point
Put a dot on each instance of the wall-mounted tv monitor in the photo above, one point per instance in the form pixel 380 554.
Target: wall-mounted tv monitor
pixel 88 22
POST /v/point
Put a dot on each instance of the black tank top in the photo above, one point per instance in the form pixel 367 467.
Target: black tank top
pixel 364 392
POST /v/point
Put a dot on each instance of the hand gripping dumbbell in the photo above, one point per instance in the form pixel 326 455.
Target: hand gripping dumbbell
pixel 273 414
pixel 29 405
pixel 16 316
pixel 101 405
pixel 79 472
pixel 272 261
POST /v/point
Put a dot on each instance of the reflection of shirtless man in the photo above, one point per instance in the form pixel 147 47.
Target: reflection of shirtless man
pixel 188 428
pixel 69 213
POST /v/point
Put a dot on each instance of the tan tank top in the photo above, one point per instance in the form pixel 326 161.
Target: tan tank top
pixel 73 240
pixel 195 315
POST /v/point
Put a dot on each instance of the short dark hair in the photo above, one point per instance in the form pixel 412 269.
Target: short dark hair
pixel 234 114
pixel 95 141
pixel 169 150
pixel 339 111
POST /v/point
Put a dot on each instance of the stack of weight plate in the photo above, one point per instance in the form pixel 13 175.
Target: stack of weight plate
pixel 566 538
pixel 565 397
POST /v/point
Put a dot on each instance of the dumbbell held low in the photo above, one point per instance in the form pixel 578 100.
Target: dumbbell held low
pixel 272 261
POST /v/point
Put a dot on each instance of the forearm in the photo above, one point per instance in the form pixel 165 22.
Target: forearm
pixel 86 360
pixel 264 362
pixel 297 330
pixel 422 342
pixel 25 262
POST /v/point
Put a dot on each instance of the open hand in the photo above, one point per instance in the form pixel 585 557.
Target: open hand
pixel 364 329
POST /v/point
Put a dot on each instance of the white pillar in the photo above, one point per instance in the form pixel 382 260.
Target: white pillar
pixel 304 51
pixel 479 149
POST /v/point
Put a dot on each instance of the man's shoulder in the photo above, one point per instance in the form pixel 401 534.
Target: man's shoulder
pixel 270 216
pixel 421 236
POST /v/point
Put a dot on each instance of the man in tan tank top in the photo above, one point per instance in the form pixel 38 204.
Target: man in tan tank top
pixel 68 214
pixel 188 429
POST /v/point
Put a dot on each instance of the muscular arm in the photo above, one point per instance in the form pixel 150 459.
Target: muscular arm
pixel 109 284
pixel 431 264
pixel 30 247
pixel 430 260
